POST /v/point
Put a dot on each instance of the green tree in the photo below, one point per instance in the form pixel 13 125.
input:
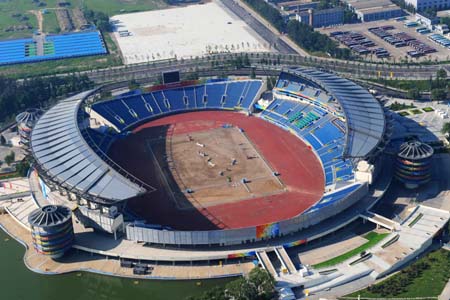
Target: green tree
pixel 2 140
pixel 445 128
pixel 10 158
pixel 22 168
pixel 241 289
pixel 253 74
pixel 441 74
pixel 438 94
pixel 133 84
pixel 263 283
pixel 413 93
pixel 258 285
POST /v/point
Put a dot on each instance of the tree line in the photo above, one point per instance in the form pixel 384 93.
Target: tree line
pixel 302 34
pixel 100 19
pixel 17 96
pixel 259 285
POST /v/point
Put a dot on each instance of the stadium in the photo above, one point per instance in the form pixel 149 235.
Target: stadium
pixel 212 162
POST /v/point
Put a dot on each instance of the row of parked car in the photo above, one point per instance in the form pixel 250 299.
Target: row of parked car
pixel 402 39
pixel 358 43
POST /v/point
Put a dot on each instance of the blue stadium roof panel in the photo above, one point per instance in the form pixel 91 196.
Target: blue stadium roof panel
pixel 365 118
pixel 63 154
pixel 51 47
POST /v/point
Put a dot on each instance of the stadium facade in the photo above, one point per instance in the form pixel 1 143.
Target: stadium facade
pixel 342 124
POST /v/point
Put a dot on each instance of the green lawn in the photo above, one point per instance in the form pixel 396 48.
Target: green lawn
pixel 22 8
pixel 51 22
pixel 416 111
pixel 428 109
pixel 429 283
pixel 9 8
pixel 400 106
pixel 421 85
pixel 114 7
pixel 373 238
pixel 404 113
pixel 416 219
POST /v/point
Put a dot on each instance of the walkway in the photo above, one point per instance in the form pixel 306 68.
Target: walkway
pixel 380 220
pixel 445 295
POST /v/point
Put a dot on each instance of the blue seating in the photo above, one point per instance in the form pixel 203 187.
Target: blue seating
pixel 334 197
pixel 214 93
pixel 175 98
pixel 317 127
pixel 55 47
pixel 199 96
pixel 131 108
pixel 234 93
pixel 149 98
pixel 162 102
pixel 190 94
pixel 249 96
pixel 327 133
pixel 142 108
pixel 312 141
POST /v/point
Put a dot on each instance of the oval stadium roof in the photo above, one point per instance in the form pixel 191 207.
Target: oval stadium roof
pixel 64 156
pixel 364 115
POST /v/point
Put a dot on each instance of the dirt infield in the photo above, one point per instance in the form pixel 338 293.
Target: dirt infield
pixel 164 153
pixel 211 167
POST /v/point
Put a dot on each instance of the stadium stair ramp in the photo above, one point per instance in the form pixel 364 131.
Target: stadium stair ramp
pixel 285 260
pixel 20 210
pixel 266 263
pixel 380 220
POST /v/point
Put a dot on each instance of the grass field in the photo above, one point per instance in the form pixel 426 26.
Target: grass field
pixel 9 8
pixel 114 7
pixel 372 238
pixel 22 8
pixel 51 22
pixel 416 111
pixel 421 85
pixel 429 283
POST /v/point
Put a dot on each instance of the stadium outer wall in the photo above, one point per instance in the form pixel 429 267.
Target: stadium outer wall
pixel 243 235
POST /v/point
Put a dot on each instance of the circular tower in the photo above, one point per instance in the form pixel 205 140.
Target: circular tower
pixel 414 163
pixel 52 230
pixel 25 123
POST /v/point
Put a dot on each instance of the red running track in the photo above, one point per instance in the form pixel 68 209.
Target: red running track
pixel 299 169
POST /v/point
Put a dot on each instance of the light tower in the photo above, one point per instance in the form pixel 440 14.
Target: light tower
pixel 52 230
pixel 25 123
pixel 414 163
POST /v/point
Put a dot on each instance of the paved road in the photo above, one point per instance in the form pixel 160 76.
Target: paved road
pixel 255 22
pixel 347 68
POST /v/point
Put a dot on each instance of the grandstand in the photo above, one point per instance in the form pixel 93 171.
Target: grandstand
pixel 322 125
pixel 125 112
pixel 51 47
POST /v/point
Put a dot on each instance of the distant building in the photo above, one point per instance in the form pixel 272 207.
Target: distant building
pixel 369 10
pixel 421 5
pixel 297 5
pixel 321 18
pixel 427 19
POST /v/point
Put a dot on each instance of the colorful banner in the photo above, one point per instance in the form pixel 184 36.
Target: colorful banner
pixel 267 230
pixel 296 243
pixel 239 255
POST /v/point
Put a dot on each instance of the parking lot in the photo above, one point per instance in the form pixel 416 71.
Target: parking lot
pixel 413 41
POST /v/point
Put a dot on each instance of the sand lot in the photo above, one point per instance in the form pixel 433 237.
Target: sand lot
pixel 184 32
pixel 209 170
